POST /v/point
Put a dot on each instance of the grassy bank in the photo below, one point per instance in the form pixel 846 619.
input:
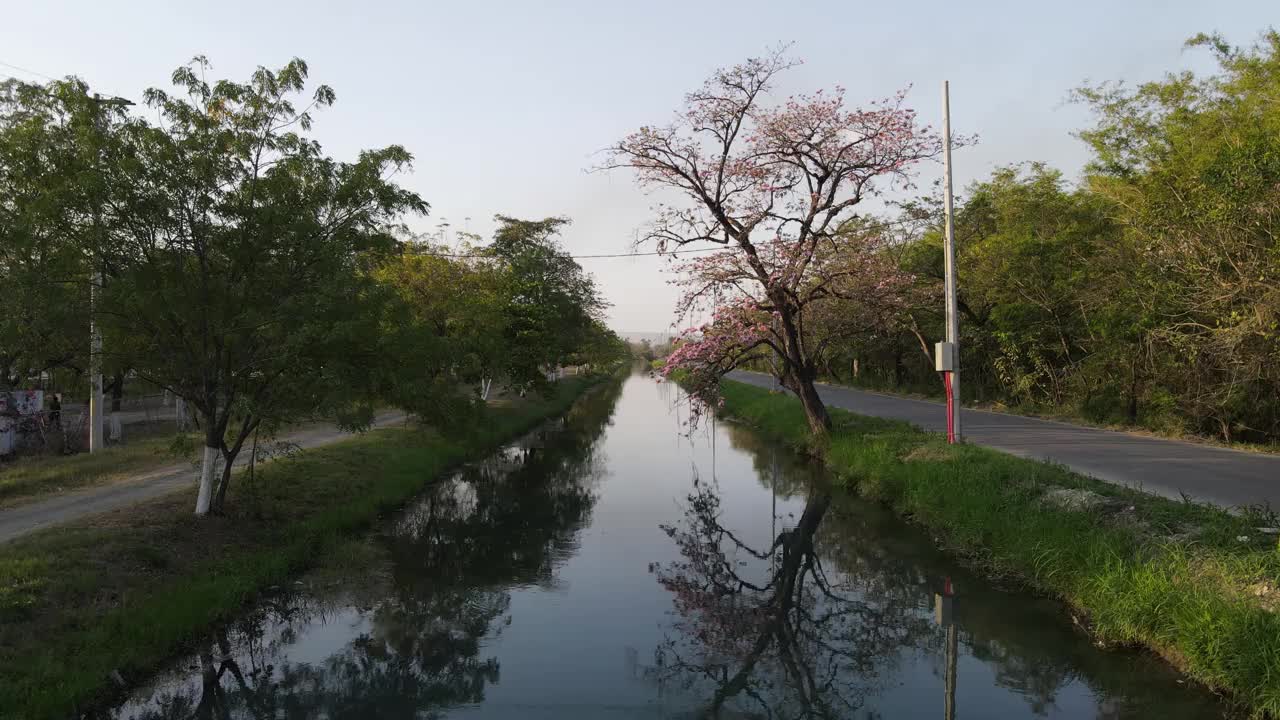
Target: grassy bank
pixel 122 591
pixel 32 478
pixel 1193 583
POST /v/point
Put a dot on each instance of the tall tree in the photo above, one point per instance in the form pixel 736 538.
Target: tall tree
pixel 1193 166
pixel 551 304
pixel 47 180
pixel 453 325
pixel 243 255
pixel 773 185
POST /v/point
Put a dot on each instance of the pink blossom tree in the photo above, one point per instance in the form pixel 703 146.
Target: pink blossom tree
pixel 777 186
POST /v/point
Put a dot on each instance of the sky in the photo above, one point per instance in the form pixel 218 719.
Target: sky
pixel 507 105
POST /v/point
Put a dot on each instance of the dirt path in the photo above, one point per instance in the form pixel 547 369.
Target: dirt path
pixel 23 519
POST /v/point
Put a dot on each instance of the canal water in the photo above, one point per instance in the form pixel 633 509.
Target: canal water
pixel 616 564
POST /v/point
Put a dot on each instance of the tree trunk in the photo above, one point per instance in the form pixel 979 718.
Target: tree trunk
pixel 220 499
pixel 1133 391
pixel 205 495
pixel 249 428
pixel 117 392
pixel 814 409
pixel 214 431
pixel 208 686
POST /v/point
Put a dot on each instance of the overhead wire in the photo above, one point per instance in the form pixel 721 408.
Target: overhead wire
pixel 37 73
pixel 19 68
pixel 477 256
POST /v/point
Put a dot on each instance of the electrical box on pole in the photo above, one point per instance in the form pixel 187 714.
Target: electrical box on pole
pixel 944 356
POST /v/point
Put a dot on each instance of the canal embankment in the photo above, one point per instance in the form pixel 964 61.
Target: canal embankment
pixel 87 607
pixel 1193 583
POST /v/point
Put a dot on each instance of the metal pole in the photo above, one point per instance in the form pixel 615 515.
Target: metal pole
pixel 944 606
pixel 949 283
pixel 949 679
pixel 773 512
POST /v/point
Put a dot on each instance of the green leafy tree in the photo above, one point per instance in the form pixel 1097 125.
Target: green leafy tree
pixel 551 305
pixel 1030 257
pixel 451 323
pixel 1192 165
pixel 244 256
pixel 46 184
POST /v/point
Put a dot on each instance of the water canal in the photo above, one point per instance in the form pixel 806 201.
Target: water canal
pixel 614 565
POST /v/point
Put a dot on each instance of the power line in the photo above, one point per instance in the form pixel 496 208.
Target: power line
pixel 37 73
pixel 28 71
pixel 585 257
pixel 478 256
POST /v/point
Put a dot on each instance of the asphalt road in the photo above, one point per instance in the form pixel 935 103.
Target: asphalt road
pixel 1165 467
pixel 24 519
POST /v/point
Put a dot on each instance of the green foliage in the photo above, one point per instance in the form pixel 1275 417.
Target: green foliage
pixel 237 249
pixel 552 306
pixel 1192 167
pixel 255 276
pixel 508 313
pixel 45 227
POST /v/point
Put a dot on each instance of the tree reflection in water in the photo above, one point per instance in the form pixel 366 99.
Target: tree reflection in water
pixel 770 630
pixel 454 555
pixel 887 572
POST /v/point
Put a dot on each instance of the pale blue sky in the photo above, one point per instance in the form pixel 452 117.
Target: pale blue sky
pixel 504 104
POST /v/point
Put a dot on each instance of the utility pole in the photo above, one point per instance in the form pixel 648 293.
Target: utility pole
pixel 944 604
pixel 947 355
pixel 95 286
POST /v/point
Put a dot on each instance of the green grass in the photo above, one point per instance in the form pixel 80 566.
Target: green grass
pixel 126 590
pixel 1146 571
pixel 31 478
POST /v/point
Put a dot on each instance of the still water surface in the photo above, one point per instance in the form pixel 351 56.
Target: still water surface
pixel 614 565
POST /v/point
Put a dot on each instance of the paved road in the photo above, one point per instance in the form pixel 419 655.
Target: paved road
pixel 24 519
pixel 1164 467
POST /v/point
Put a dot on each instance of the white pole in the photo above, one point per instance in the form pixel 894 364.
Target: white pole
pixel 949 252
pixel 95 334
pixel 95 369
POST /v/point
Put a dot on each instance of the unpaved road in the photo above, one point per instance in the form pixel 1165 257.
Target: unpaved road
pixel 1229 478
pixel 23 519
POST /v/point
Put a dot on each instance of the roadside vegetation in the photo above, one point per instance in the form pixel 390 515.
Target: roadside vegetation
pixel 101 601
pixel 1193 583
pixel 225 258
pixel 1140 294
